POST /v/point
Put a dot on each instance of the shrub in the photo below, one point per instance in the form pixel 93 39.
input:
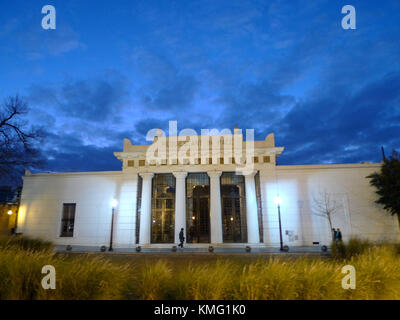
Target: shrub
pixel 26 243
pixel 353 247
pixel 20 272
pixel 377 274
pixel 209 282
pixel 90 276
pixel 149 282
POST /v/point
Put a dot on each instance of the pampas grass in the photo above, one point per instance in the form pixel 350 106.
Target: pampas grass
pixel 91 276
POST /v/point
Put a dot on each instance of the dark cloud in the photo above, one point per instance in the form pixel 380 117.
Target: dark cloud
pixel 173 95
pixel 342 127
pixel 98 99
pixel 67 152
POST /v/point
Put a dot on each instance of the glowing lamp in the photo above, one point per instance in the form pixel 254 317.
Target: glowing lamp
pixel 9 212
pixel 113 203
pixel 278 200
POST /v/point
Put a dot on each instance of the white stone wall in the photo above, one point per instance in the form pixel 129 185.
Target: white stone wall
pixel 300 186
pixel 44 194
pixel 42 201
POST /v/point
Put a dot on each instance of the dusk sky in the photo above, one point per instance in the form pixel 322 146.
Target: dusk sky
pixel 115 69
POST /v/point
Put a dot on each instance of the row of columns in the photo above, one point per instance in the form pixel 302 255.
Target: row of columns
pixel 215 207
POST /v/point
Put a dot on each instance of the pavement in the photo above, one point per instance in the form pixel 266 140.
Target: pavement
pixel 196 249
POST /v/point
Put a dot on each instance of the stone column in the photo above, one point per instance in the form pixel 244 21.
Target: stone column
pixel 215 207
pixel 180 203
pixel 253 235
pixel 145 210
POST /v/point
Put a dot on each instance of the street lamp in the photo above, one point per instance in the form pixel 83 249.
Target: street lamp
pixel 113 204
pixel 278 202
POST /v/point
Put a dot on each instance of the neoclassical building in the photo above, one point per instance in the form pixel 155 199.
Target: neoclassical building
pixel 221 189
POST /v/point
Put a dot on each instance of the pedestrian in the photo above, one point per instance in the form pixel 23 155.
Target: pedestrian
pixel 181 238
pixel 334 234
pixel 339 235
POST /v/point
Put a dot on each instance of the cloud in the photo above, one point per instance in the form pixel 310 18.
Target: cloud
pixel 96 99
pixel 343 127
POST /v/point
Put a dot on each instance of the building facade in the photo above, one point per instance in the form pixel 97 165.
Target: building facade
pixel 221 189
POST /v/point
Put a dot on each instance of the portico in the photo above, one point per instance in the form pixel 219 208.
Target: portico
pixel 211 194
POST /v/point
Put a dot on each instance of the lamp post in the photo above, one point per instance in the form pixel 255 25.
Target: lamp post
pixel 113 204
pixel 278 202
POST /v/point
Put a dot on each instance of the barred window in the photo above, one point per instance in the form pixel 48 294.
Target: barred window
pixel 259 207
pixel 138 206
pixel 163 209
pixel 233 199
pixel 68 220
pixel 131 163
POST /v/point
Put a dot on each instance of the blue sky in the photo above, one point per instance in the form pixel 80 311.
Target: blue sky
pixel 115 69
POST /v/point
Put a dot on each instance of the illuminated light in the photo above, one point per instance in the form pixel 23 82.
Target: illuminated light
pixel 278 200
pixel 154 221
pixel 9 212
pixel 231 218
pixel 113 203
pixel 193 218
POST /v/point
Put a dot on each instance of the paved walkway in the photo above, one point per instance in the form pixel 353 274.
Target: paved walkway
pixel 217 249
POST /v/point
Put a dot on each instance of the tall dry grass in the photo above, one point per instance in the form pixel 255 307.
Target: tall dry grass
pixel 93 277
pixel 25 243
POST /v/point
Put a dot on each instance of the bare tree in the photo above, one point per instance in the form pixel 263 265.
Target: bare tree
pixel 17 139
pixel 325 206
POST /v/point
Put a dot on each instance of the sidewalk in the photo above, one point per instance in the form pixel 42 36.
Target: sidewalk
pixel 192 249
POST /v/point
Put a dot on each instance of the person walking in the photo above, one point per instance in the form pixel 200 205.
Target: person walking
pixel 181 238
pixel 334 234
pixel 338 235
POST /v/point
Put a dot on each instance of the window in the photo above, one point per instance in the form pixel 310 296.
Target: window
pixel 259 208
pixel 138 206
pixel 68 220
pixel 163 209
pixel 233 200
pixel 255 159
pixel 266 159
pixel 197 208
pixel 131 163
pixel 141 163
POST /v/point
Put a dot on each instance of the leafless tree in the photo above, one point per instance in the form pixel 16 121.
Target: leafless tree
pixel 325 206
pixel 18 140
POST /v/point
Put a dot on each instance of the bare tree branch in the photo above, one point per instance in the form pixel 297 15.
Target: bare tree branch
pixel 18 140
pixel 325 206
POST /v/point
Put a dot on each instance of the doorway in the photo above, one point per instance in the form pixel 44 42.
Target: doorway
pixel 198 208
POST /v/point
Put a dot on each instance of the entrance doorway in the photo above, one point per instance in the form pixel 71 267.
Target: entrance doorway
pixel 163 209
pixel 234 227
pixel 198 208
